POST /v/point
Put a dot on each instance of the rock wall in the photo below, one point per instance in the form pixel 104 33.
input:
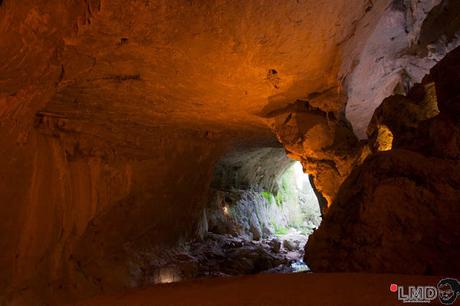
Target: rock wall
pixel 388 58
pixel 392 45
pixel 399 211
pixel 323 141
pixel 260 193
pixel 79 216
pixel 112 114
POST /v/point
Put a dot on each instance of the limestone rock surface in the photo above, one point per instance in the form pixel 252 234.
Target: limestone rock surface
pixel 322 141
pixel 399 210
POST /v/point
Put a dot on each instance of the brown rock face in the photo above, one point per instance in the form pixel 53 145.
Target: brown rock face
pixel 322 141
pixel 398 118
pixel 113 113
pixel 399 210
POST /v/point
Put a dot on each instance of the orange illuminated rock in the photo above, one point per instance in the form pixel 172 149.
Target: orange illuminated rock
pixel 114 113
pixel 323 141
pixel 399 210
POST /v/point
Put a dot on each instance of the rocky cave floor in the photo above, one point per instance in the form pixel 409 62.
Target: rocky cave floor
pixel 220 255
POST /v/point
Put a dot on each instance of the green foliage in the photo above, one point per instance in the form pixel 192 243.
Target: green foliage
pixel 281 230
pixel 279 198
pixel 267 196
pixel 287 191
pixel 286 208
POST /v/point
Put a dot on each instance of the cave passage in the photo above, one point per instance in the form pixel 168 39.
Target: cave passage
pixel 149 142
pixel 258 218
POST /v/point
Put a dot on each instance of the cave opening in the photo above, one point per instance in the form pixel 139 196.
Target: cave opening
pixel 259 214
pixel 260 194
pixel 265 201
pixel 260 211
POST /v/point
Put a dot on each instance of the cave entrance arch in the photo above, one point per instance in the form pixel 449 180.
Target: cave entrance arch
pixel 261 193
pixel 257 219
pixel 262 197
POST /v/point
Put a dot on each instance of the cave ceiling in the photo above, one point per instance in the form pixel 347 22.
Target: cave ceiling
pixel 135 65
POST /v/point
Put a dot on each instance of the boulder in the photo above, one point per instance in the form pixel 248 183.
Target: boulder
pixel 290 245
pixel 275 245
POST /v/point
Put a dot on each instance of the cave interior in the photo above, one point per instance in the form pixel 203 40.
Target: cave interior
pixel 194 152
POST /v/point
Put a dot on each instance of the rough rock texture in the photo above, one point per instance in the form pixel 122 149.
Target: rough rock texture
pixel 219 256
pixel 259 192
pixel 322 141
pixel 398 118
pixel 410 37
pixel 113 114
pixel 251 167
pixel 236 204
pixel 399 211
pixel 87 213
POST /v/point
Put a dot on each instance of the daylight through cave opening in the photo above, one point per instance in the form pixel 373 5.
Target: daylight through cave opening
pixel 262 202
pixel 259 214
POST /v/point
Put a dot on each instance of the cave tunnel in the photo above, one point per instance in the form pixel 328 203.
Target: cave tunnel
pixel 259 152
pixel 259 214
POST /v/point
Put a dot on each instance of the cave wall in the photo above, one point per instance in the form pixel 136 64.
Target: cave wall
pixel 408 39
pixel 261 167
pixel 255 194
pixel 75 216
pixel 322 141
pixel 237 206
pixel 385 55
pixel 76 192
pixel 108 108
pixel 399 211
